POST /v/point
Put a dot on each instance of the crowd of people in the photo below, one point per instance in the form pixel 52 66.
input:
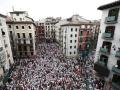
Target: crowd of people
pixel 51 70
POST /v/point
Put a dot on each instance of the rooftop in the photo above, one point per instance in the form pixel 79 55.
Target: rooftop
pixel 1 15
pixel 18 12
pixel 109 5
pixel 76 24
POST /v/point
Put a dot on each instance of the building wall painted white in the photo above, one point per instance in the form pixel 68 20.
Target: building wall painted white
pixel 6 53
pixel 70 44
pixel 28 28
pixel 112 60
pixel 58 29
pixel 20 16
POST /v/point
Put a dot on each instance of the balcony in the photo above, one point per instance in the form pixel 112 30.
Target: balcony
pixel 107 36
pixel 115 85
pixel 117 54
pixel 104 50
pixel 116 70
pixel 110 20
pixel 101 68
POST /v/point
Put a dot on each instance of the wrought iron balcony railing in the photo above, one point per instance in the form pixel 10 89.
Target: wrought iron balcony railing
pixel 107 36
pixel 110 19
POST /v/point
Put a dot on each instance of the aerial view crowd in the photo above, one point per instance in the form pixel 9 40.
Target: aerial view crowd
pixel 51 70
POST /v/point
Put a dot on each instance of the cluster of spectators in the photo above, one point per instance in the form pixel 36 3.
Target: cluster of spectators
pixel 51 70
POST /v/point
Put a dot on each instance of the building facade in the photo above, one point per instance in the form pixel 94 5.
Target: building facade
pixel 6 58
pixel 40 32
pixel 50 28
pixel 96 30
pixel 75 35
pixel 22 33
pixel 107 58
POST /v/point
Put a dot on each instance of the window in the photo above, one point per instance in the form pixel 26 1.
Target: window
pixel 24 41
pixel 104 59
pixel 87 32
pixel 110 29
pixel 18 35
pixel 3 33
pixel 70 53
pixel 9 26
pixel 71 29
pixel 29 27
pixel 21 53
pixel 74 52
pixel 3 69
pixel 30 41
pixel 25 48
pixel 71 35
pixel 70 47
pixel 75 41
pixel 22 27
pixel 76 29
pixel 31 53
pixel 16 27
pixel 81 32
pixel 74 46
pixel 20 19
pixel 11 36
pixel 30 35
pixel 31 48
pixel 15 19
pixel 75 35
pixel 23 35
pixel 70 41
pixel 19 48
pixel 19 41
pixel 80 39
pixel 10 32
pixel 80 46
pixel 114 12
pixel 25 53
pixel 17 14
